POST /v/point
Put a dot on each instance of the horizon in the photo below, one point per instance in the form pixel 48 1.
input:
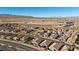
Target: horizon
pixel 37 17
pixel 44 12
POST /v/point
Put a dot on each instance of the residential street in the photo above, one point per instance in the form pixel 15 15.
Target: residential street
pixel 25 48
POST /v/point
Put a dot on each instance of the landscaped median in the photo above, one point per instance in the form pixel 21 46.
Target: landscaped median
pixel 25 44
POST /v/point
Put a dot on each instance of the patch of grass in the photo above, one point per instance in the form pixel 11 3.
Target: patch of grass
pixel 74 28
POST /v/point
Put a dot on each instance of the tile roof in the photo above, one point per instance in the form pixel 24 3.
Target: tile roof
pixel 39 40
pixel 48 42
pixel 58 45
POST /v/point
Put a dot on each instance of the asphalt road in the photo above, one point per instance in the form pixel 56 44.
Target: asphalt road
pixel 25 48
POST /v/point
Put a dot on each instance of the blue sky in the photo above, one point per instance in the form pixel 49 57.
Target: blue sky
pixel 41 11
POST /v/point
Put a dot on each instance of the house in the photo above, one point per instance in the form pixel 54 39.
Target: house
pixel 12 31
pixel 6 31
pixel 37 41
pixel 60 32
pixel 76 49
pixel 72 39
pixel 8 37
pixel 1 30
pixel 20 37
pixel 15 38
pixel 63 38
pixel 54 35
pixel 28 38
pixel 46 43
pixel 56 46
pixel 71 48
pixel 69 33
pixel 45 35
pixel 2 36
pixel 65 48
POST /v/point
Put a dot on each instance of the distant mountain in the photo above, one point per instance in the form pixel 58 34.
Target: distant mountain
pixel 19 18
pixel 6 15
pixel 9 15
pixel 14 18
pixel 15 15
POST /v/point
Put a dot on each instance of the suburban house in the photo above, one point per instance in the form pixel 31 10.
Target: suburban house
pixel 15 38
pixel 65 48
pixel 28 38
pixel 56 46
pixel 37 41
pixel 46 43
pixel 63 38
pixel 8 37
pixel 72 39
